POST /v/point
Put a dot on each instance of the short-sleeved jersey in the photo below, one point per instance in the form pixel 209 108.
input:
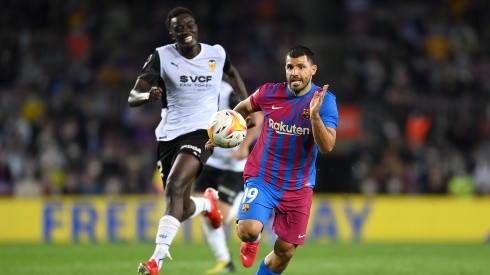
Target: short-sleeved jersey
pixel 285 153
pixel 221 157
pixel 191 87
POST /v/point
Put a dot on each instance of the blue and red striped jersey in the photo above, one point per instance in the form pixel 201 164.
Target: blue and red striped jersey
pixel 285 152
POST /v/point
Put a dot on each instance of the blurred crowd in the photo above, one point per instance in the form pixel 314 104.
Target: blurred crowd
pixel 417 70
pixel 420 72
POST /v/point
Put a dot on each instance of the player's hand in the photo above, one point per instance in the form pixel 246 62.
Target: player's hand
pixel 155 93
pixel 317 100
pixel 209 145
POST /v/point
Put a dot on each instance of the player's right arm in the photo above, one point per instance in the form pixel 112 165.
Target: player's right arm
pixel 143 93
pixel 251 104
pixel 244 108
pixel 252 134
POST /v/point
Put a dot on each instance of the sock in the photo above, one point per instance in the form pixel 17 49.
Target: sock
pixel 167 229
pixel 202 205
pixel 161 250
pixel 264 270
pixel 217 241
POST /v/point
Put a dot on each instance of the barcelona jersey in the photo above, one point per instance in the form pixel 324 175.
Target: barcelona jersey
pixel 285 153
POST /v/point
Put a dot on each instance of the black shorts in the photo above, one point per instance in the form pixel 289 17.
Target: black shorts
pixel 228 183
pixel 191 143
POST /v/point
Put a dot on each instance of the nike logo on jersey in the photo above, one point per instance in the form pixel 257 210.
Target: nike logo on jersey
pixel 301 236
pixel 175 64
pixel 276 107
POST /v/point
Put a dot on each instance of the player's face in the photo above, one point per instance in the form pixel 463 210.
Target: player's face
pixel 184 30
pixel 299 72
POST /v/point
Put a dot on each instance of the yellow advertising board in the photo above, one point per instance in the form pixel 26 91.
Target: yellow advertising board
pixel 401 219
pixel 333 218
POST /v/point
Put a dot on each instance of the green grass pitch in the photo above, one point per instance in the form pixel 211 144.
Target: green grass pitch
pixel 312 258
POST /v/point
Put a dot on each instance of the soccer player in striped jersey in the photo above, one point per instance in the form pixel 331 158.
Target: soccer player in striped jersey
pixel 186 76
pixel 300 121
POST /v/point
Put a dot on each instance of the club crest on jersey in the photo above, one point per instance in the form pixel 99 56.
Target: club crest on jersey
pixel 306 113
pixel 245 207
pixel 212 65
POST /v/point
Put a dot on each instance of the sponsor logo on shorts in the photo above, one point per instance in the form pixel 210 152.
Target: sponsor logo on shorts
pixel 245 207
pixel 197 150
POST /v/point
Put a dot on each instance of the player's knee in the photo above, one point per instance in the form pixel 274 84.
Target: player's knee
pixel 177 202
pixel 249 230
pixel 247 236
pixel 174 190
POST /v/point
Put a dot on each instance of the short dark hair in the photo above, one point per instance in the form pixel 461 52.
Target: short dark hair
pixel 298 51
pixel 176 12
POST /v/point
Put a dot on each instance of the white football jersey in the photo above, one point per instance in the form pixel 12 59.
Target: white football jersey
pixel 192 89
pixel 221 157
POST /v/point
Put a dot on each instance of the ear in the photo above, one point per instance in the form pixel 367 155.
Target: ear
pixel 314 68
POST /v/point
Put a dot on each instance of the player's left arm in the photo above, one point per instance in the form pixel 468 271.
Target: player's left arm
pixel 324 136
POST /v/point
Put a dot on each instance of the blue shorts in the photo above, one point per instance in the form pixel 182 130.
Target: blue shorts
pixel 291 209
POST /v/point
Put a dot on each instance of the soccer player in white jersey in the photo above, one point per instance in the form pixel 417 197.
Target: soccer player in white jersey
pixel 224 172
pixel 186 76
